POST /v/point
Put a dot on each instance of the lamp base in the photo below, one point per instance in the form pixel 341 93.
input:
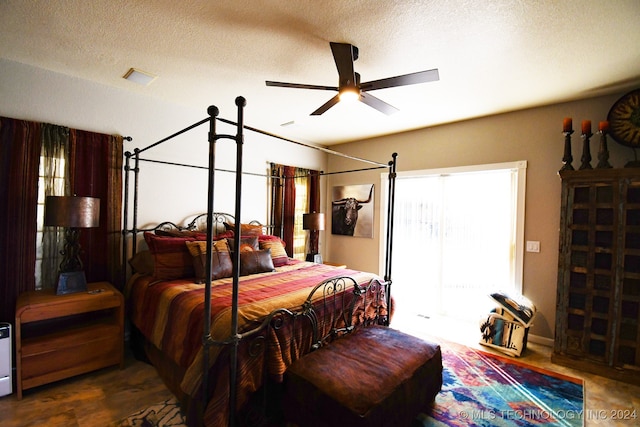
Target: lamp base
pixel 317 258
pixel 71 282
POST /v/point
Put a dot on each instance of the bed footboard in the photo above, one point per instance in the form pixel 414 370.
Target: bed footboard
pixel 334 308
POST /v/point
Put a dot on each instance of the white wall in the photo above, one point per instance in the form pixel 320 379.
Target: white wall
pixel 166 192
pixel 533 135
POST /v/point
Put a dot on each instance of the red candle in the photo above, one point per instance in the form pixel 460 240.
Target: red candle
pixel 586 127
pixel 603 126
pixel 566 124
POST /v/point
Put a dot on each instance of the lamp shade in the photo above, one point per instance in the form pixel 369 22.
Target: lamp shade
pixel 72 211
pixel 313 221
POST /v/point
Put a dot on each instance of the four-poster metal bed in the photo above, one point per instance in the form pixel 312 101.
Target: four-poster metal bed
pixel 235 335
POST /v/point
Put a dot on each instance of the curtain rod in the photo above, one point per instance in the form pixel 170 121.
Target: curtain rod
pixel 272 135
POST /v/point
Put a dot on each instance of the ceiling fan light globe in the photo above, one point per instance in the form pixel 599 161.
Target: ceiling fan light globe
pixel 349 95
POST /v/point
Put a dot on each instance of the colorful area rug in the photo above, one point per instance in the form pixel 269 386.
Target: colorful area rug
pixel 482 389
pixel 164 414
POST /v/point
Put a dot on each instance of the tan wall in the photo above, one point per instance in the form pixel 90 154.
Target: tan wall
pixel 533 135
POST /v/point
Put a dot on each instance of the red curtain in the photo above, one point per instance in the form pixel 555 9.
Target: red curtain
pixel 289 207
pixel 314 191
pixel 96 165
pixel 19 160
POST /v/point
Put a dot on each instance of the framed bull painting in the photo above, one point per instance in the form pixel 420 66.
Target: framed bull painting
pixel 352 210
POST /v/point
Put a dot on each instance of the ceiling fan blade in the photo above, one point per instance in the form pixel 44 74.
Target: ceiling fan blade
pixel 299 86
pixel 378 104
pixel 344 54
pixel 330 103
pixel 404 80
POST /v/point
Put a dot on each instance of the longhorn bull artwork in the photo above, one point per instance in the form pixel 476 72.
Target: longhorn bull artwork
pixel 352 210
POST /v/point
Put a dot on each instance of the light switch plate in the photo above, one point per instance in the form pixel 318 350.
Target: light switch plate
pixel 533 246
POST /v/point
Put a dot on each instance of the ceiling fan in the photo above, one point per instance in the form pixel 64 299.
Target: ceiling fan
pixel 349 84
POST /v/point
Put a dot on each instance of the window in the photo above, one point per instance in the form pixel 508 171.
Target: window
pixel 458 236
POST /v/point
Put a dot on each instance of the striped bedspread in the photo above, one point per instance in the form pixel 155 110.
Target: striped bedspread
pixel 170 315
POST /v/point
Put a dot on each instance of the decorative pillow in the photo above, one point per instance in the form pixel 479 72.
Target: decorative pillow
pixel 247 243
pixel 142 262
pixel 172 232
pixel 278 254
pixel 269 237
pixel 170 256
pixel 245 229
pixel 254 262
pixel 221 265
pixel 224 235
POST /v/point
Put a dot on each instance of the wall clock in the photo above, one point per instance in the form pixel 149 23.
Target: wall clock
pixel 624 123
pixel 624 119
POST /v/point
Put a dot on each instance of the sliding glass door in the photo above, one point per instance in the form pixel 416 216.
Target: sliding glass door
pixel 458 236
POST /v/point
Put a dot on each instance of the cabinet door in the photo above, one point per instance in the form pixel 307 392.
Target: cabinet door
pixel 627 341
pixel 588 279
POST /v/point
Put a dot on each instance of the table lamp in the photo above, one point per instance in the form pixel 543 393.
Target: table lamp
pixel 73 213
pixel 313 222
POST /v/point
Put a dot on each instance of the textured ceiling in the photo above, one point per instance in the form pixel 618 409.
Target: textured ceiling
pixel 493 56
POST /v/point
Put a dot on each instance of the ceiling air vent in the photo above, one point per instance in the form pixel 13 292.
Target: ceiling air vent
pixel 140 77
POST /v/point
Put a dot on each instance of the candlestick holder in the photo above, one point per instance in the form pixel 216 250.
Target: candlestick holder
pixel 567 158
pixel 586 152
pixel 603 152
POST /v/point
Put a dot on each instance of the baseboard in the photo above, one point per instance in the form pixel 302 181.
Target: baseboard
pixel 537 339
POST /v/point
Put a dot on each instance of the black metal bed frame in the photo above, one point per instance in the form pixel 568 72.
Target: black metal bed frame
pixel 213 137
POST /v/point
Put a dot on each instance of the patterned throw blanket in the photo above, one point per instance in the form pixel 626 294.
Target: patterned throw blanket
pixel 170 315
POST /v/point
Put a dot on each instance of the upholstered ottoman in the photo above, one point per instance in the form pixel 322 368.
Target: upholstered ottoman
pixel 374 376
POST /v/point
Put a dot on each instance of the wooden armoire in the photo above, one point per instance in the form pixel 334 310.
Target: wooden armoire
pixel 598 296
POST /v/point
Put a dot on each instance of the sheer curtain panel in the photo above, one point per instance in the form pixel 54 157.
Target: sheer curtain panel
pixel 54 175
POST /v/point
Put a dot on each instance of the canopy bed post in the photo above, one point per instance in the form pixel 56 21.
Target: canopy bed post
pixel 136 172
pixel 390 213
pixel 234 339
pixel 240 103
pixel 127 169
pixel 134 230
pixel 206 335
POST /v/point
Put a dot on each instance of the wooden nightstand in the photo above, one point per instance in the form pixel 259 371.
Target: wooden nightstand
pixel 59 336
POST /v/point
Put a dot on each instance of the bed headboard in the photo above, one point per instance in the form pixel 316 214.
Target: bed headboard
pixel 198 223
pixel 222 222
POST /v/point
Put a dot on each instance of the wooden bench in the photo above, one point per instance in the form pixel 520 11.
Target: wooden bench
pixel 361 372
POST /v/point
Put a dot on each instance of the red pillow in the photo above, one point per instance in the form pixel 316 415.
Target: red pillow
pixel 172 259
pixel 269 237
